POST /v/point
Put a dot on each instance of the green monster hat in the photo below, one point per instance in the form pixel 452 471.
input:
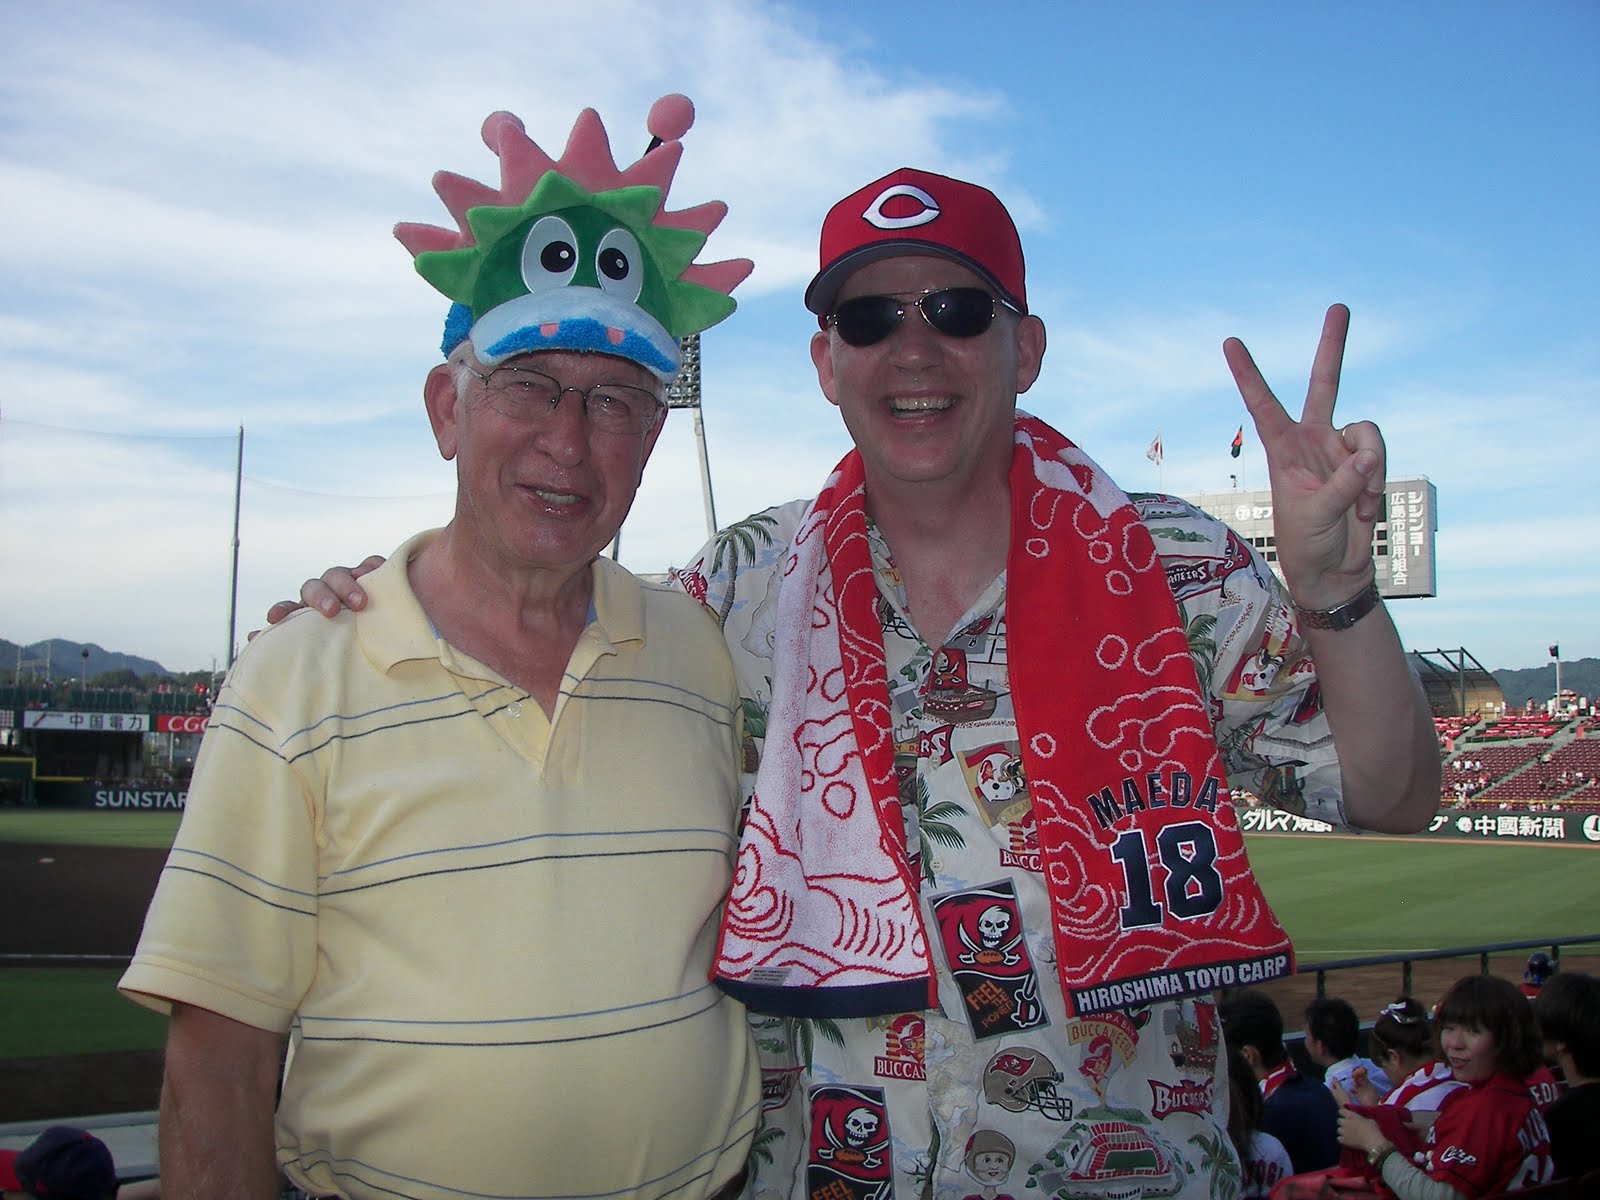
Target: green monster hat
pixel 575 254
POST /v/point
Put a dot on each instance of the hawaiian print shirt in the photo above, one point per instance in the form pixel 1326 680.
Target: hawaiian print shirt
pixel 996 1093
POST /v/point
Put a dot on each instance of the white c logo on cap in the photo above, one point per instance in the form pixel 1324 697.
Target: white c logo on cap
pixel 875 215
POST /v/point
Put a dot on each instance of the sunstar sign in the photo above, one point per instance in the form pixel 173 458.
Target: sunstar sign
pixel 136 798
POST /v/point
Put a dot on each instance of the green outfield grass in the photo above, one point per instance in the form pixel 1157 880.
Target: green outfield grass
pixel 77 1010
pixel 1350 898
pixel 89 827
pixel 72 1010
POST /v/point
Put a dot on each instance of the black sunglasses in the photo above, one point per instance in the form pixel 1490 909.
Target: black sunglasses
pixel 961 312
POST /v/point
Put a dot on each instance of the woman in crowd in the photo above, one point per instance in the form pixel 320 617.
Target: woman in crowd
pixel 1490 1135
pixel 1403 1043
pixel 1262 1156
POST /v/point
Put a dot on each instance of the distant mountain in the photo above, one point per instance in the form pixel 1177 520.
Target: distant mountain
pixel 1539 683
pixel 67 661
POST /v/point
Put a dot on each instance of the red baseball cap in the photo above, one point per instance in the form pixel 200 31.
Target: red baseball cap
pixel 917 212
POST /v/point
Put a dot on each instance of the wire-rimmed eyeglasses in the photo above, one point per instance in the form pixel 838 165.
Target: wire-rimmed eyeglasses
pixel 528 395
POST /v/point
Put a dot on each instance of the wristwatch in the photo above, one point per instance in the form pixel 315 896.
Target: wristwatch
pixel 1342 616
pixel 1378 1153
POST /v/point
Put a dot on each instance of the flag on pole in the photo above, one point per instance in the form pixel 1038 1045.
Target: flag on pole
pixel 1154 453
pixel 1555 651
pixel 1238 443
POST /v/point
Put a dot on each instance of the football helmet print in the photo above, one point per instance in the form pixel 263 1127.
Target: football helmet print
pixel 1019 1079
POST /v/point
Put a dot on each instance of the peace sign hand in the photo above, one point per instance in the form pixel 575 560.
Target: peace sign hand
pixel 1327 483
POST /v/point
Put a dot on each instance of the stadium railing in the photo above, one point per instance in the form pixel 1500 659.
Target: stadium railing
pixel 72 698
pixel 1406 962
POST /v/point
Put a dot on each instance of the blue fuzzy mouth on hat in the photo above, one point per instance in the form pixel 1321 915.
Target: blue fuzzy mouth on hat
pixel 576 255
pixel 593 323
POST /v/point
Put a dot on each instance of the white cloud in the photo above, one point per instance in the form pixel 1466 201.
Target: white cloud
pixel 208 198
pixel 199 201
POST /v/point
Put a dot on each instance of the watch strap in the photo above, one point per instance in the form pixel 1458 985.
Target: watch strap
pixel 1341 616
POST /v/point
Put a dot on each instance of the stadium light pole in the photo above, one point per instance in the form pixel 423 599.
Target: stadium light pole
pixel 684 392
pixel 233 588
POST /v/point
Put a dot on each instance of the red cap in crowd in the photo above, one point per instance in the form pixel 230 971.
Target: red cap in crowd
pixel 918 212
pixel 62 1163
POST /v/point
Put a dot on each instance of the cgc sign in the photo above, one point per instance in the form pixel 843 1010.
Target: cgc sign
pixel 185 723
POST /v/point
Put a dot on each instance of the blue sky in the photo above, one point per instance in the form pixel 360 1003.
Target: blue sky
pixel 197 202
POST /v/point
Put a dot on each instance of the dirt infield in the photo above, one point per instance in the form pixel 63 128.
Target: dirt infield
pixel 81 900
pixel 78 902
pixel 80 1085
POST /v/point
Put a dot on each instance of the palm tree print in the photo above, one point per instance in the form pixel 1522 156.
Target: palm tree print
pixel 802 1033
pixel 761 1148
pixel 1220 1165
pixel 737 546
pixel 1201 632
pixel 933 826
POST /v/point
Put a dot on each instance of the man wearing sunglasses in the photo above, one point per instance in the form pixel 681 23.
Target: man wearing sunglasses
pixel 989 875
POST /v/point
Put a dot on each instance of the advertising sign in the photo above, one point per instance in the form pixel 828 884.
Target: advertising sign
pixel 182 723
pixel 86 722
pixel 1411 513
pixel 1579 828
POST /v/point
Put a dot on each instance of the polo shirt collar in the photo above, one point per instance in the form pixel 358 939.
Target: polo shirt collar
pixel 396 629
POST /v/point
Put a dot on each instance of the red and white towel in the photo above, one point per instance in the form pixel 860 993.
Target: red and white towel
pixel 1151 894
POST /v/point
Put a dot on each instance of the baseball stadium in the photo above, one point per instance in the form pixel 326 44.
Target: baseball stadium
pixel 92 787
pixel 1506 871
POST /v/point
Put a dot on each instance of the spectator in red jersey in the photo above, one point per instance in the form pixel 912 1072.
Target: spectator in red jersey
pixel 1568 1012
pixel 1490 1136
pixel 1404 1044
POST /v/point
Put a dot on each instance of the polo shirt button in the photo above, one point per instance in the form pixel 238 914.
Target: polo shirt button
pixel 514 709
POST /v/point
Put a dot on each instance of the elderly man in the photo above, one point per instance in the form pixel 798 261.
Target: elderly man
pixel 468 848
pixel 989 875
